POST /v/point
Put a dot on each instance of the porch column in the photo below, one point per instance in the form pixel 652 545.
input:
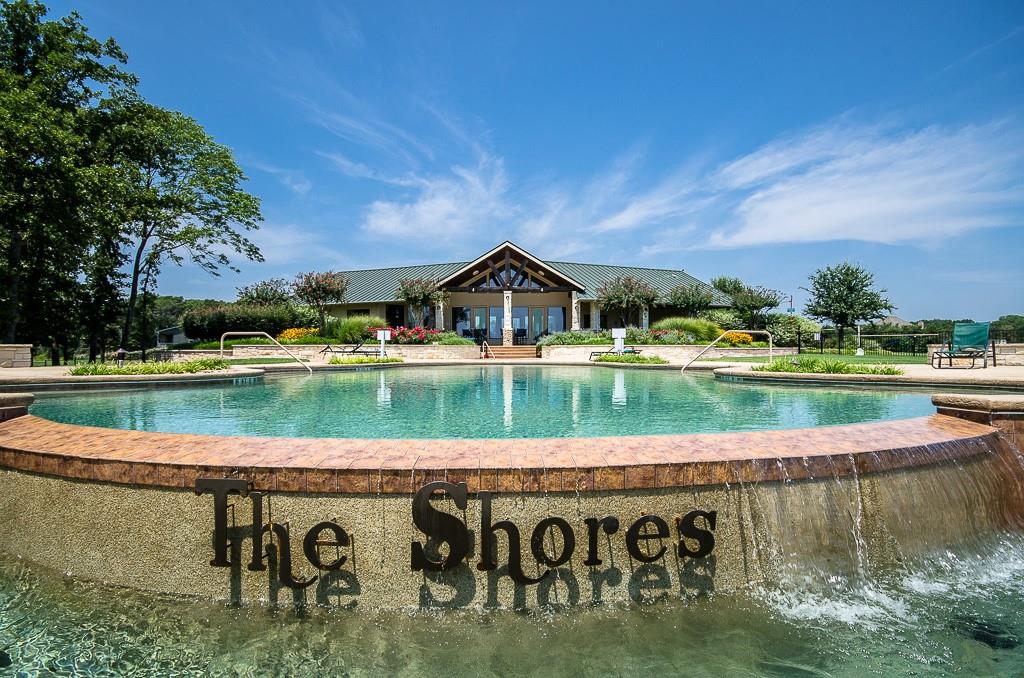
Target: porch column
pixel 575 326
pixel 645 317
pixel 506 323
pixel 595 315
pixel 439 311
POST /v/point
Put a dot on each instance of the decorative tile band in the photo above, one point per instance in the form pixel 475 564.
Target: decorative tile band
pixel 357 466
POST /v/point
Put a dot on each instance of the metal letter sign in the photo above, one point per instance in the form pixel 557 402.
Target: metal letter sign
pixel 441 528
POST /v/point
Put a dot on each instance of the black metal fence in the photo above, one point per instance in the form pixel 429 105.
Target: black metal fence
pixel 827 341
pixel 894 344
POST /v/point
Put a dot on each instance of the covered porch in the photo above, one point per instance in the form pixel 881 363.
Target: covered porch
pixel 509 297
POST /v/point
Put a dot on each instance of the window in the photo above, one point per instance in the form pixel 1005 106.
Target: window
pixel 556 319
pixel 461 321
pixel 497 321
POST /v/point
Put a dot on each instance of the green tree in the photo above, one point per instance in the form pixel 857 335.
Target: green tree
pixel 843 295
pixel 318 290
pixel 750 302
pixel 626 294
pixel 184 195
pixel 272 292
pixel 691 300
pixel 53 77
pixel 420 292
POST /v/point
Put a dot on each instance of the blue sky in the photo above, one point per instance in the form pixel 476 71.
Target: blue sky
pixel 755 139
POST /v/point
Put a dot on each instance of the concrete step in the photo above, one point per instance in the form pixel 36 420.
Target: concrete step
pixel 514 352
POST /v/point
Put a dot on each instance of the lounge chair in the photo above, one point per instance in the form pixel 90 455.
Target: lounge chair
pixel 355 350
pixel 970 341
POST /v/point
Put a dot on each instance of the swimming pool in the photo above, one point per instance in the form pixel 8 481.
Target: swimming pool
pixel 481 402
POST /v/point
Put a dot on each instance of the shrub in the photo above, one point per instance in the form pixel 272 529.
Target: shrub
pixel 738 338
pixel 805 365
pixel 293 333
pixel 362 360
pixel 182 367
pixel 452 339
pixel 355 328
pixel 413 335
pixel 632 358
pixel 210 323
pixel 784 328
pixel 576 338
pixel 698 328
pixel 723 318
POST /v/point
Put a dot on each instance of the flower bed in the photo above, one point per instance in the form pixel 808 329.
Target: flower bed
pixel 170 367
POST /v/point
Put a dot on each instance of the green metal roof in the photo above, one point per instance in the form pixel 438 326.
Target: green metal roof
pixel 380 284
pixel 592 276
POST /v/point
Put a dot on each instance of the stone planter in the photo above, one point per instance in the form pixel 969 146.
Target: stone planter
pixel 313 353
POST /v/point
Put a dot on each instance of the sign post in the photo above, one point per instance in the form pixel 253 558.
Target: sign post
pixel 619 337
pixel 383 336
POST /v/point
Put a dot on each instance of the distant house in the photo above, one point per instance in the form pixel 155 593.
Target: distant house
pixel 509 296
pixel 170 336
pixel 895 321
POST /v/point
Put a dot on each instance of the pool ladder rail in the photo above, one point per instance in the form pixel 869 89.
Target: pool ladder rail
pixel 262 334
pixel 708 347
pixel 485 350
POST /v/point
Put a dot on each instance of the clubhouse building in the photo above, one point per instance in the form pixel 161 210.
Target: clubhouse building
pixel 507 296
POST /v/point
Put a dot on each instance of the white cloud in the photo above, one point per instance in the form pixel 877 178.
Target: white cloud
pixel 290 244
pixel 445 207
pixel 861 183
pixel 294 180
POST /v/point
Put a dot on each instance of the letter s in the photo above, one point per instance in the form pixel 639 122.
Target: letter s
pixel 705 538
pixel 442 526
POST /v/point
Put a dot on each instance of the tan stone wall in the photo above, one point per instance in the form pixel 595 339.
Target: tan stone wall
pixel 161 540
pixel 408 351
pixel 673 354
pixel 15 355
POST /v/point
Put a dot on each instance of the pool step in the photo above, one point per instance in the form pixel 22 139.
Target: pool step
pixel 514 352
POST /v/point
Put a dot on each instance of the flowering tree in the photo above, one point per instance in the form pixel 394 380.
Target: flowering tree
pixel 317 290
pixel 626 294
pixel 420 292
pixel 691 300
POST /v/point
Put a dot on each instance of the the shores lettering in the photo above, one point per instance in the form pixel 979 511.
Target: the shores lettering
pixel 644 538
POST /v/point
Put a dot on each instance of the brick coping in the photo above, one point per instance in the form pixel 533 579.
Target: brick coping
pixel 357 466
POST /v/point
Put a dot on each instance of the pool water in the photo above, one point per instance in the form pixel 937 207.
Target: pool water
pixel 480 402
pixel 956 612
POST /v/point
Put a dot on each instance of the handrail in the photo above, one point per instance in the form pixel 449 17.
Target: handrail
pixel 485 348
pixel 253 334
pixel 708 347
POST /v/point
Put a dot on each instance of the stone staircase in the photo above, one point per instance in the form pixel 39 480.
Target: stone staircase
pixel 514 352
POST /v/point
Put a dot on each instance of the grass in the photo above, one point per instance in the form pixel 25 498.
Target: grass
pixel 807 365
pixel 363 360
pixel 261 361
pixel 854 359
pixel 631 359
pixel 178 367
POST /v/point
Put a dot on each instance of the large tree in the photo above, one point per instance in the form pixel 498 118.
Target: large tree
pixel 319 290
pixel 750 302
pixel 184 195
pixel 626 294
pixel 53 76
pixel 843 295
pixel 691 300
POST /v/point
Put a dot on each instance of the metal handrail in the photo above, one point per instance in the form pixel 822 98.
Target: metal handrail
pixel 486 349
pixel 708 347
pixel 254 334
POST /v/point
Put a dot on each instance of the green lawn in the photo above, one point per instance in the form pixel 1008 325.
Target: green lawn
pixel 260 361
pixel 857 360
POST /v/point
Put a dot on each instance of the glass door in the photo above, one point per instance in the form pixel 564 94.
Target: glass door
pixel 479 323
pixel 536 322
